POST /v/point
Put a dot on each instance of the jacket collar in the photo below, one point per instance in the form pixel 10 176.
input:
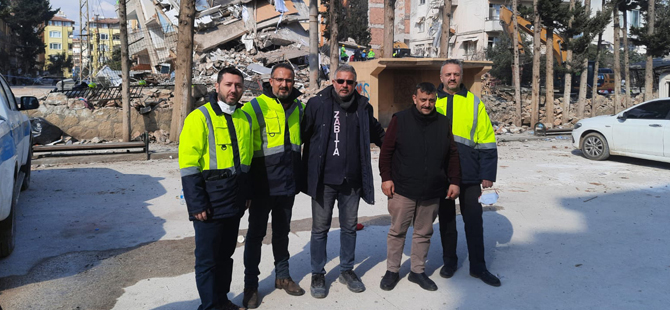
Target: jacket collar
pixel 327 94
pixel 441 93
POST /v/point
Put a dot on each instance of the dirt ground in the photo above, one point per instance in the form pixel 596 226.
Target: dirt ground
pixel 566 233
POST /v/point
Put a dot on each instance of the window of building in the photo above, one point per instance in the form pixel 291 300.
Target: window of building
pixel 104 36
pixel 422 2
pixel 104 48
pixel 494 12
pixel 54 34
pixel 493 41
pixel 634 18
pixel 469 48
pixel 116 36
pixel 421 26
pixel 55 46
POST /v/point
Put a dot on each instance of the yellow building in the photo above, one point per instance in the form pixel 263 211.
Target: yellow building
pixel 105 36
pixel 58 39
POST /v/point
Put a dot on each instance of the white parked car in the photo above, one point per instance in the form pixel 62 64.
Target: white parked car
pixel 642 131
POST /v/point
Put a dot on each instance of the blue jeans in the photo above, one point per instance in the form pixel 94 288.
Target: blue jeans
pixel 348 198
pixel 215 242
pixel 259 211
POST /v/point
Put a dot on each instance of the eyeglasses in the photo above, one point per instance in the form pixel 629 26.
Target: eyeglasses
pixel 288 81
pixel 342 81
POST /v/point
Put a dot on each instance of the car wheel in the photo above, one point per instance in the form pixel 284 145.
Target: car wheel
pixel 594 147
pixel 26 170
pixel 8 231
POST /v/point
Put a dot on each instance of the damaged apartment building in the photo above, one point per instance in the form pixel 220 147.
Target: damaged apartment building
pixel 272 30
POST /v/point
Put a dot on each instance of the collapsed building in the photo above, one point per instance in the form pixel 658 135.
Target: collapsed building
pixel 272 32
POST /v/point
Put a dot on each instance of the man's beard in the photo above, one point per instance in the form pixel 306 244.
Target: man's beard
pixel 283 96
pixel 222 98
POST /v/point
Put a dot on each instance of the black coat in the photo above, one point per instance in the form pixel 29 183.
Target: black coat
pixel 316 126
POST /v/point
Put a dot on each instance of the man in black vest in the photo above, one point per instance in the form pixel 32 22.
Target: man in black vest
pixel 417 160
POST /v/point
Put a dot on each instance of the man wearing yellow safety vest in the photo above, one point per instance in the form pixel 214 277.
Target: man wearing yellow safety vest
pixel 215 153
pixel 276 172
pixel 475 139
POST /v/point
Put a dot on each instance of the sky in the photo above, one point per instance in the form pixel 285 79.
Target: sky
pixel 71 9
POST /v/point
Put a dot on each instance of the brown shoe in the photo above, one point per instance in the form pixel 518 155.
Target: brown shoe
pixel 289 286
pixel 250 299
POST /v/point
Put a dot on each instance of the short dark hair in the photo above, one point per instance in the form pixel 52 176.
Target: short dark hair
pixel 282 65
pixel 229 70
pixel 426 88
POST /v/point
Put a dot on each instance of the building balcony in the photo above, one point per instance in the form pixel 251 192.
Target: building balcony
pixel 492 25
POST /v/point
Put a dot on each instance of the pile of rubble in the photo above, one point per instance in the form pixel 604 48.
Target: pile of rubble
pixel 502 110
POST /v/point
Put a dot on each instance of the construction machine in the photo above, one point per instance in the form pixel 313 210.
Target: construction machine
pixel 605 77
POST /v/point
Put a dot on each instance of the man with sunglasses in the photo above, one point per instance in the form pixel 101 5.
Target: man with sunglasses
pixel 276 172
pixel 337 130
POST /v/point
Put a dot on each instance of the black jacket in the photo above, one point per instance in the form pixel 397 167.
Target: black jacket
pixel 316 126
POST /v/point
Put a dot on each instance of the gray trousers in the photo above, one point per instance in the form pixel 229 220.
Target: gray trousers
pixel 403 212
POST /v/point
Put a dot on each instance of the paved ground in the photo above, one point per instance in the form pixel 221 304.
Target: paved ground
pixel 567 233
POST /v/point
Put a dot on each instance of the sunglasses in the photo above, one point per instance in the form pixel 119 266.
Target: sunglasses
pixel 342 81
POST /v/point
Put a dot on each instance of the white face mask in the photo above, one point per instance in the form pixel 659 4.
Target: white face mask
pixel 226 108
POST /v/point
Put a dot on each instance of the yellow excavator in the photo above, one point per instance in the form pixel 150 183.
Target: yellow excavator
pixel 605 77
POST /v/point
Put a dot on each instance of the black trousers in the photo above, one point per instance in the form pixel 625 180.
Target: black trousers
pixel 215 242
pixel 471 210
pixel 259 211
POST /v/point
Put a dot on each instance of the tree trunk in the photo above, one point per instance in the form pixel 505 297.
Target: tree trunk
pixel 446 22
pixel 549 78
pixel 517 80
pixel 184 69
pixel 617 59
pixel 535 99
pixel 389 22
pixel 567 81
pixel 313 45
pixel 125 72
pixel 596 65
pixel 583 78
pixel 626 61
pixel 649 69
pixel 333 13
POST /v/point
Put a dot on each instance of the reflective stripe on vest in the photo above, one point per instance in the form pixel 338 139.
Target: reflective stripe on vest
pixel 260 117
pixel 459 136
pixel 211 140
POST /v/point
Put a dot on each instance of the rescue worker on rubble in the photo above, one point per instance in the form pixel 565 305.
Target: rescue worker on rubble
pixel 371 54
pixel 475 139
pixel 343 54
pixel 276 173
pixel 215 152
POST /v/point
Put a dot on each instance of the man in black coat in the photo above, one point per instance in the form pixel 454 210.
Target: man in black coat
pixel 337 130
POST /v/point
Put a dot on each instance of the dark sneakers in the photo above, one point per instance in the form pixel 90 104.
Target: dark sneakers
pixel 289 286
pixel 422 280
pixel 352 281
pixel 231 306
pixel 389 280
pixel 318 287
pixel 250 299
pixel 487 278
pixel 447 271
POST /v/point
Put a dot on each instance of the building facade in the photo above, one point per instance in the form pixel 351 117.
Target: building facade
pixel 401 24
pixel 104 37
pixel 58 36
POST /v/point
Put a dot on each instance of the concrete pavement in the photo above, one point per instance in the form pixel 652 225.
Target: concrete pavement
pixel 567 233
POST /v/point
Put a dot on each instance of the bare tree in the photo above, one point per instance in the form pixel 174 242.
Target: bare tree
pixel 648 70
pixel 535 99
pixel 389 22
pixel 313 44
pixel 446 22
pixel 333 14
pixel 596 66
pixel 517 79
pixel 184 69
pixel 625 7
pixel 125 71
pixel 617 58
pixel 583 78
pixel 567 89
